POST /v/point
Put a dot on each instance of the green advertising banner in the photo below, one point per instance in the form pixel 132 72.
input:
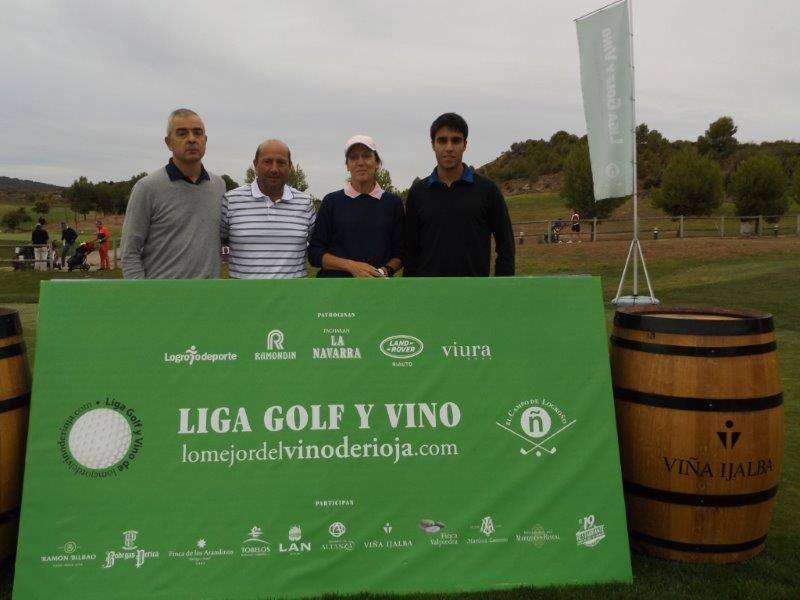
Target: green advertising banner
pixel 258 439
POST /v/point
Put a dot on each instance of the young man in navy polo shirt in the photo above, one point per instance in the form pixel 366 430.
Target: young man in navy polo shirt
pixel 452 214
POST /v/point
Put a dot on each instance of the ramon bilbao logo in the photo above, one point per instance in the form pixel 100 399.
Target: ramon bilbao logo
pixel 536 422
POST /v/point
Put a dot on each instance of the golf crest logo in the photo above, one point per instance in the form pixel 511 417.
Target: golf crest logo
pixel 295 545
pixel 130 551
pixel 100 439
pixel 254 545
pixel 536 422
pixel 275 350
pixel 336 530
pixel 589 534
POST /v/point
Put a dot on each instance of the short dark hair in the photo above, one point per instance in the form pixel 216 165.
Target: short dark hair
pixel 451 120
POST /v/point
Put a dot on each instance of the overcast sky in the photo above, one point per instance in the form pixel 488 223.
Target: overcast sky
pixel 87 85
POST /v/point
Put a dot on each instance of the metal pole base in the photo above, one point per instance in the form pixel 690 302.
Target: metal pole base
pixel 635 300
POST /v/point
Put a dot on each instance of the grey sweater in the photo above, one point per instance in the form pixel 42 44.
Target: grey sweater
pixel 171 228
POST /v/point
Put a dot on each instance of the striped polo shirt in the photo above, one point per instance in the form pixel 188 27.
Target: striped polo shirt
pixel 267 239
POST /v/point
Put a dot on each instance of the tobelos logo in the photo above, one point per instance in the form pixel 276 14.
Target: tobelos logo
pixel 402 346
pixel 536 422
pixel 192 355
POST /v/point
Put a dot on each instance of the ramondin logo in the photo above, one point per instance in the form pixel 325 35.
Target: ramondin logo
pixel 402 346
pixel 275 340
pixel 275 351
pixel 100 439
pixel 612 170
pixel 192 355
pixel 536 422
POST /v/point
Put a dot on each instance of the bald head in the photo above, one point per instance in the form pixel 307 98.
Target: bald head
pixel 273 146
pixel 273 165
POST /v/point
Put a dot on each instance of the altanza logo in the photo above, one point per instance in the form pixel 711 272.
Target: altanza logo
pixel 193 355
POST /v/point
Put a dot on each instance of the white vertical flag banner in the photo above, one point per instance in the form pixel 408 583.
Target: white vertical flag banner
pixel 606 82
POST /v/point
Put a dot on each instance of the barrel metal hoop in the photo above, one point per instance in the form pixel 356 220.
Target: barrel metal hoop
pixel 12 350
pixel 697 351
pixel 699 548
pixel 9 515
pixel 10 324
pixel 713 500
pixel 14 403
pixel 715 327
pixel 698 404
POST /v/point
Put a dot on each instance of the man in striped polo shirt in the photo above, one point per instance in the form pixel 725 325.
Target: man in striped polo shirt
pixel 267 224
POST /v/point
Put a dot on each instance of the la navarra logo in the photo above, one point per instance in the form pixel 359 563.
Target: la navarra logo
pixel 536 422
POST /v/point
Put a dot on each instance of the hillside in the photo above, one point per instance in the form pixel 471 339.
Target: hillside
pixel 14 185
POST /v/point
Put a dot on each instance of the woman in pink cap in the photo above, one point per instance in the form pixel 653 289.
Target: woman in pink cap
pixel 359 229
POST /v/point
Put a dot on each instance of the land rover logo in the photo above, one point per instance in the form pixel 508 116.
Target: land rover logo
pixel 402 346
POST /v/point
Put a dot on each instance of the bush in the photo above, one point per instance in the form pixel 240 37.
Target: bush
pixel 691 185
pixel 12 220
pixel 759 187
pixel 578 188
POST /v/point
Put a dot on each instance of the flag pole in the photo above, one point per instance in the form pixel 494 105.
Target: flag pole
pixel 635 250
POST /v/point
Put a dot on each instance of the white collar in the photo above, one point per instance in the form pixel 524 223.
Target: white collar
pixel 257 193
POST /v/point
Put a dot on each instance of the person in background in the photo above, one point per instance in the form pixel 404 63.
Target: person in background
pixel 453 213
pixel 68 238
pixel 359 230
pixel 267 224
pixel 575 226
pixel 102 239
pixel 171 228
pixel 40 238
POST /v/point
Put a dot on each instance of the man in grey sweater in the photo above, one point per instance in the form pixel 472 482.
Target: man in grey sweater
pixel 171 228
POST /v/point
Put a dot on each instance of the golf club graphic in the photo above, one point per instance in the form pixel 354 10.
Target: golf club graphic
pixel 535 445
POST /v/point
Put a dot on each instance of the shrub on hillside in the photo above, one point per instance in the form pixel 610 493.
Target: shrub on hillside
pixel 13 219
pixel 796 186
pixel 691 185
pixel 759 187
pixel 578 188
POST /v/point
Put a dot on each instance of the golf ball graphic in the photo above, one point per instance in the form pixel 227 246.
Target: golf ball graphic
pixel 100 438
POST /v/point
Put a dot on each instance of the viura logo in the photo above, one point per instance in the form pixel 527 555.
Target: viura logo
pixel 468 351
pixel 192 355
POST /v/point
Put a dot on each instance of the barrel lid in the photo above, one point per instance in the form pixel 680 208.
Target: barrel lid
pixel 694 320
pixel 9 322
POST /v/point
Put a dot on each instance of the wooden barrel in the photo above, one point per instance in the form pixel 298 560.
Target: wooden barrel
pixel 700 422
pixel 15 387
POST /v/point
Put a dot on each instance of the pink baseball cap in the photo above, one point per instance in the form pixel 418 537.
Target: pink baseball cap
pixel 360 139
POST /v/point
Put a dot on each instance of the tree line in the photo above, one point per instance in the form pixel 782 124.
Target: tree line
pixel 682 177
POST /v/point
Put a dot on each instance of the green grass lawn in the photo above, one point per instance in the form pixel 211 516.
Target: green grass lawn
pixel 767 281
